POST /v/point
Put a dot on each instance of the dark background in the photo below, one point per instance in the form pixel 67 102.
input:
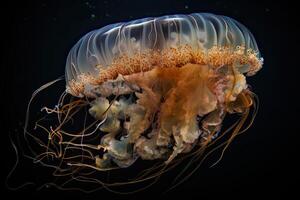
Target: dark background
pixel 262 162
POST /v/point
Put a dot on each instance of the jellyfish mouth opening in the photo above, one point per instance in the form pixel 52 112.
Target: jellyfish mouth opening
pixel 163 113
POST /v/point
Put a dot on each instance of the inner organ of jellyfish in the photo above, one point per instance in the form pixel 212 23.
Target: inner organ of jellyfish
pixel 156 89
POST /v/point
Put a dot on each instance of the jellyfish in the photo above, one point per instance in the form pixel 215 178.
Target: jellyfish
pixel 152 89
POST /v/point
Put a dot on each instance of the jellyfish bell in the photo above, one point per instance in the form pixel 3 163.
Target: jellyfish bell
pixel 157 89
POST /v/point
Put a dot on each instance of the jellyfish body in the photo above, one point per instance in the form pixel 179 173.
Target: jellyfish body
pixel 158 88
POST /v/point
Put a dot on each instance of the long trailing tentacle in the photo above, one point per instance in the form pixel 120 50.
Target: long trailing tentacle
pixel 25 133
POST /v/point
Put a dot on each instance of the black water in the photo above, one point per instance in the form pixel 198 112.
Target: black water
pixel 261 162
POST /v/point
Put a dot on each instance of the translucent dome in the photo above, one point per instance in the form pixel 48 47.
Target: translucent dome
pixel 201 32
